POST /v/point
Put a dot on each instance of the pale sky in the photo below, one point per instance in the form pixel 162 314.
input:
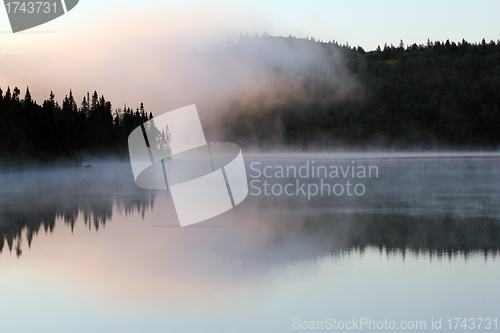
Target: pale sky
pixel 360 22
pixel 133 51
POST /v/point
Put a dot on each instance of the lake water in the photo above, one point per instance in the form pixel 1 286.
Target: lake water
pixel 86 250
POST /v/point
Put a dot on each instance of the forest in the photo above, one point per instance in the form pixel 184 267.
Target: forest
pixel 442 95
pixel 52 133
pixel 436 96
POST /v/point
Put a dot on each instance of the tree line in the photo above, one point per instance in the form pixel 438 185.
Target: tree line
pixel 47 133
pixel 441 94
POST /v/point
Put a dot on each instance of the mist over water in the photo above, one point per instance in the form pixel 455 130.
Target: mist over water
pixel 33 200
pixel 435 204
pixel 424 223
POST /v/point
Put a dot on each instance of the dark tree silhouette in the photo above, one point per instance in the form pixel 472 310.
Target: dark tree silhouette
pixel 48 133
pixel 443 94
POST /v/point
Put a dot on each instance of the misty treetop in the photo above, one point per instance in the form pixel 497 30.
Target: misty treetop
pixel 30 132
pixel 436 95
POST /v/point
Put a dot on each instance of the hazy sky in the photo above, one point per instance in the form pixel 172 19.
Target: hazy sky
pixel 367 23
pixel 134 51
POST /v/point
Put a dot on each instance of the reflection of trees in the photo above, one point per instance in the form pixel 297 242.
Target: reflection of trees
pixel 95 210
pixel 29 208
pixel 436 206
pixel 401 233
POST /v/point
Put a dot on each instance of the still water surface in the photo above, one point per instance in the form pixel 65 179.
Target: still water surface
pixel 86 250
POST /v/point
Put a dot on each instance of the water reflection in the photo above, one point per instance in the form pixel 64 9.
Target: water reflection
pixel 31 201
pixel 114 258
pixel 423 206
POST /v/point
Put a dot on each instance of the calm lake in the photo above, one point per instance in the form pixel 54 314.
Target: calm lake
pixel 414 241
